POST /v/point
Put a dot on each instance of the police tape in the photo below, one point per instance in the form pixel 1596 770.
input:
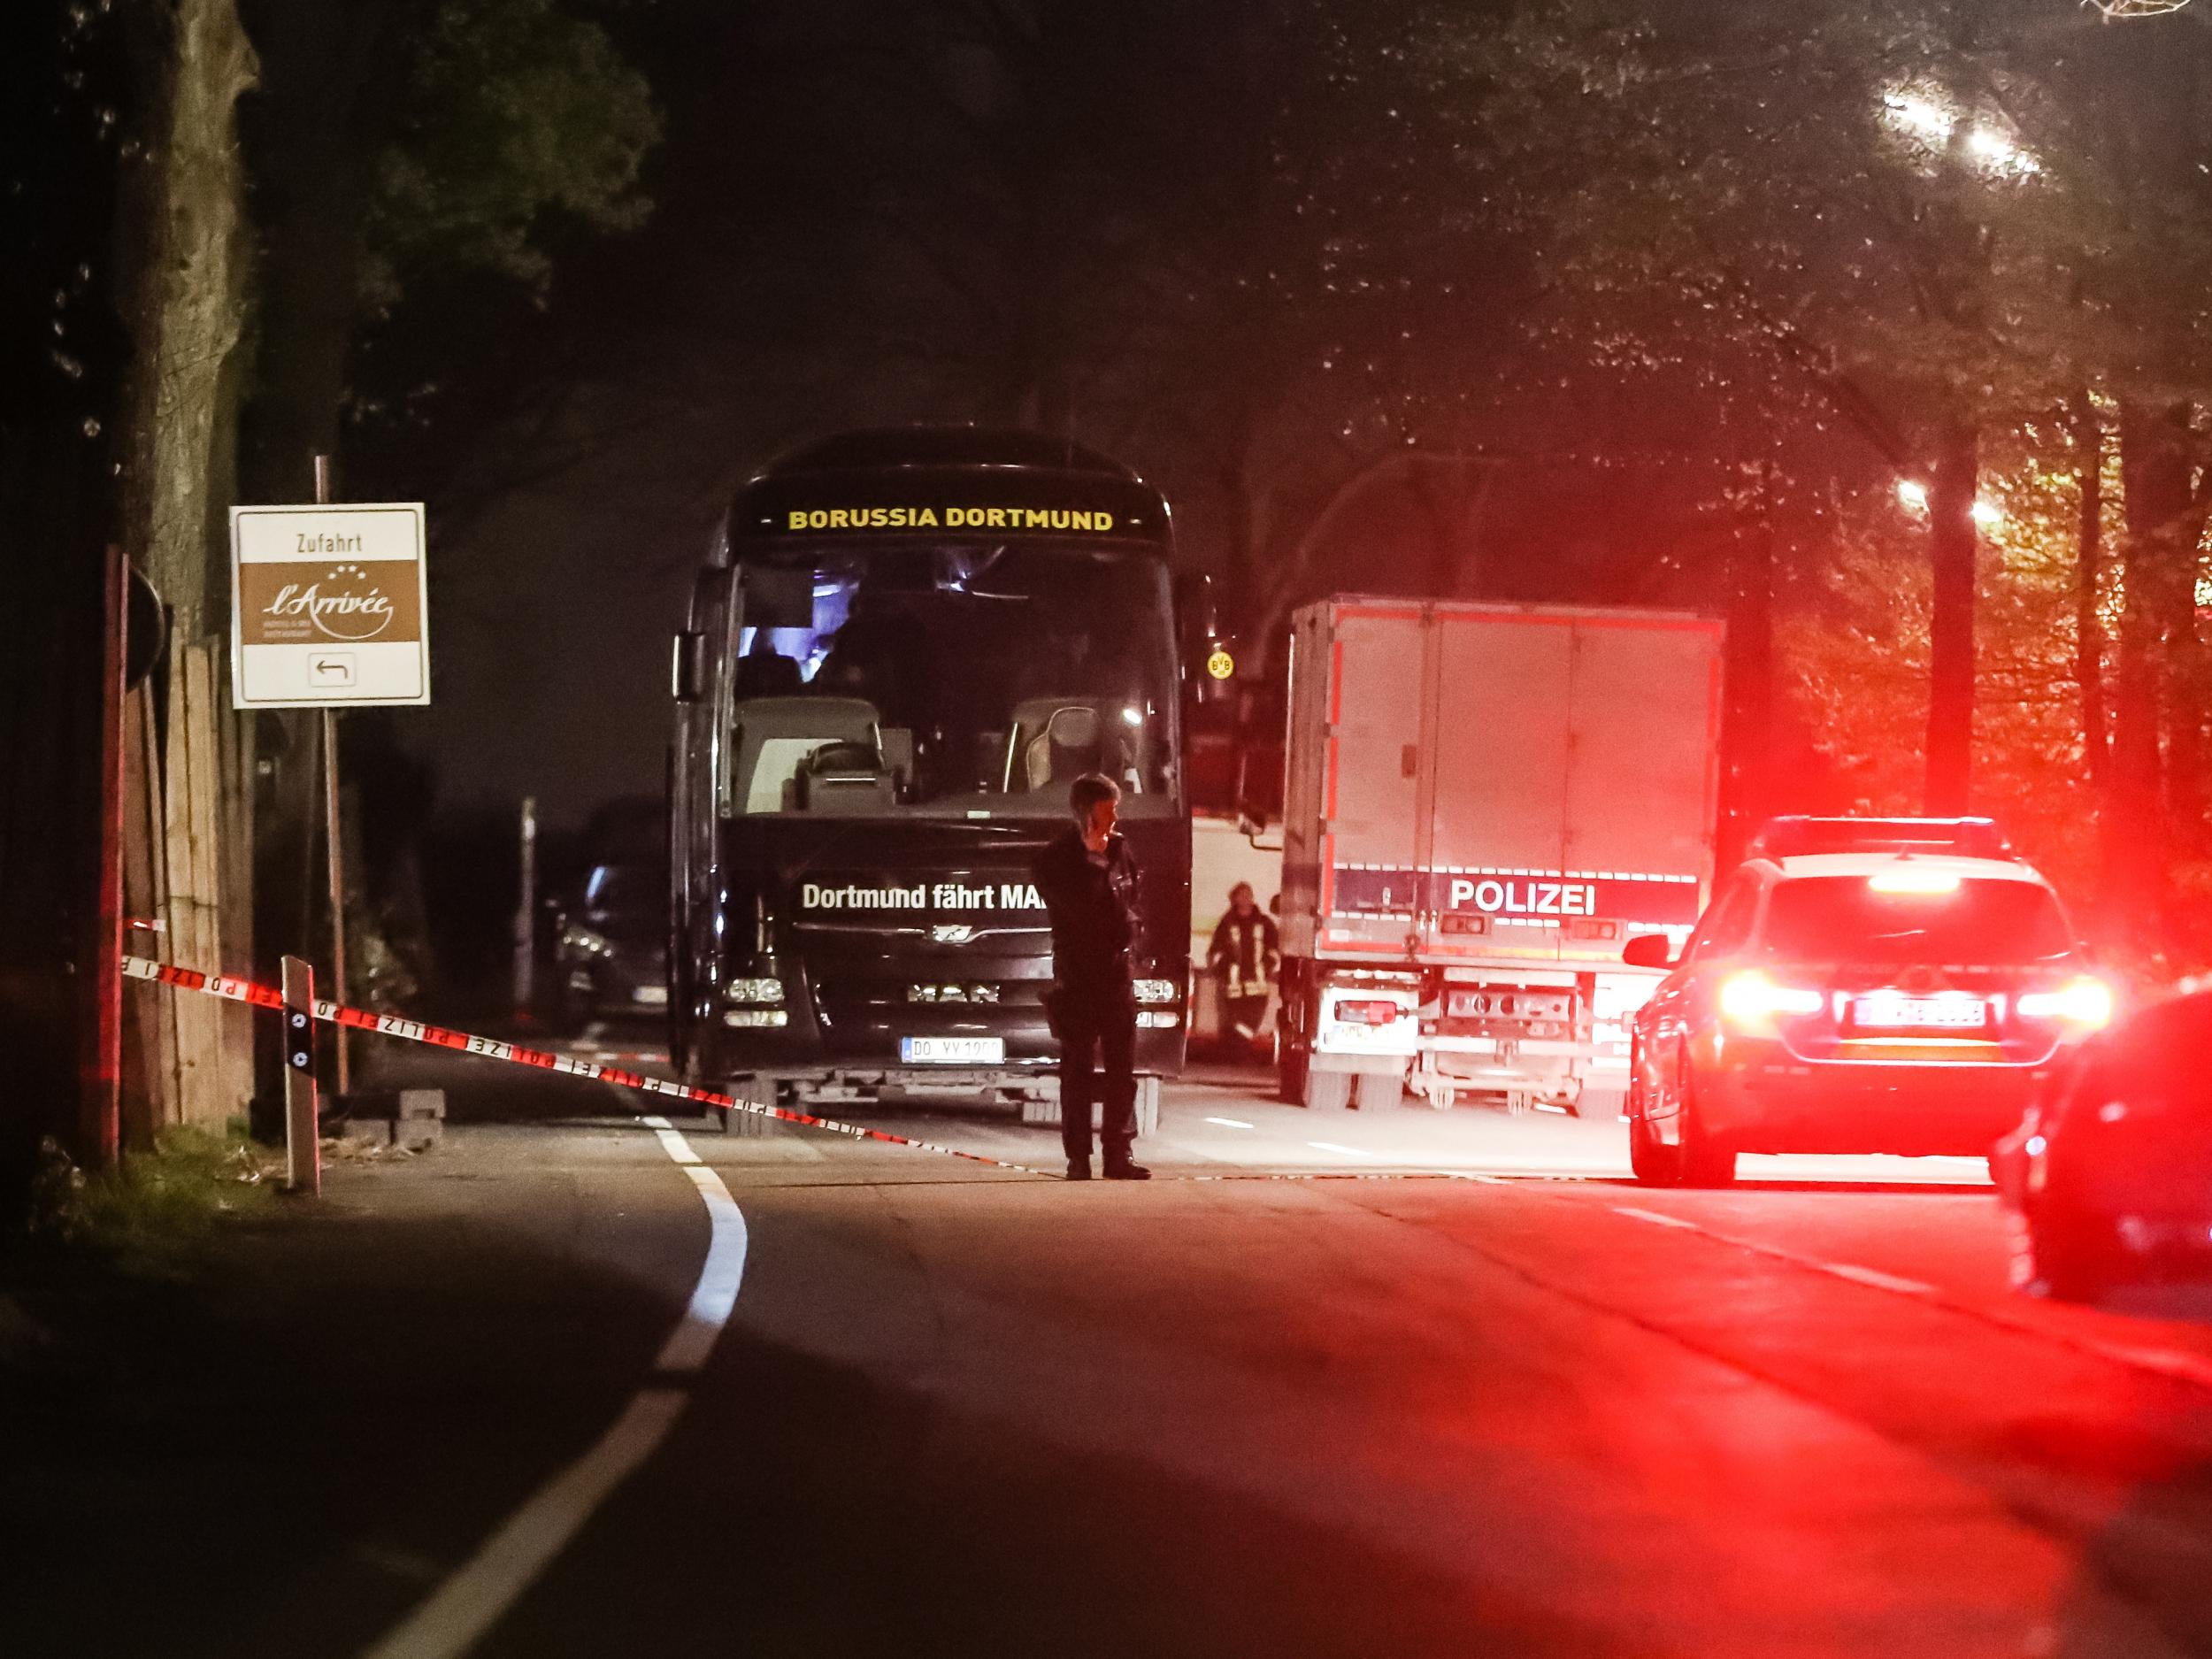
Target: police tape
pixel 493 1048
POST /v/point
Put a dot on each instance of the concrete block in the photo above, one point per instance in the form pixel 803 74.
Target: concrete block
pixel 416 1104
pixel 418 1134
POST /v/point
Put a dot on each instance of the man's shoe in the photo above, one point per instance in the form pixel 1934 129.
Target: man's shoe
pixel 1127 1173
pixel 1080 1169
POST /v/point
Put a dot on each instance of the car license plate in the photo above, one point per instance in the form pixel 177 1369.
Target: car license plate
pixel 650 996
pixel 1887 1011
pixel 952 1050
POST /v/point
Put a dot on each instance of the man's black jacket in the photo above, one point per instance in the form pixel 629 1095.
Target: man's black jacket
pixel 1094 909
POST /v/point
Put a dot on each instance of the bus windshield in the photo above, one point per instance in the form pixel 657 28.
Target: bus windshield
pixel 949 678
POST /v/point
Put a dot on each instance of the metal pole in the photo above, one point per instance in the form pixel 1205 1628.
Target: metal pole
pixel 303 1147
pixel 99 1102
pixel 334 832
pixel 526 911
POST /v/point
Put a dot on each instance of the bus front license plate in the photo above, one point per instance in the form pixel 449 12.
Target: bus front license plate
pixel 952 1050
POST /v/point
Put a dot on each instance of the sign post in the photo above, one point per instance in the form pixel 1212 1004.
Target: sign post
pixel 526 910
pixel 329 610
pixel 302 1143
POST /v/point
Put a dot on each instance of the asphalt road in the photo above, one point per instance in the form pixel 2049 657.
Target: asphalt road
pixel 1400 1383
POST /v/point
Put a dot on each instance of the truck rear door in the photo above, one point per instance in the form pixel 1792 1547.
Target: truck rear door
pixel 1371 784
pixel 1641 774
pixel 1502 690
pixel 1574 777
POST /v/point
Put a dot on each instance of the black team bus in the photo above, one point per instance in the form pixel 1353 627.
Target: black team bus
pixel 906 647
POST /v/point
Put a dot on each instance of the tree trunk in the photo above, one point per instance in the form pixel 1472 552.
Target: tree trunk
pixel 187 316
pixel 2088 572
pixel 1746 735
pixel 1953 545
pixel 2154 467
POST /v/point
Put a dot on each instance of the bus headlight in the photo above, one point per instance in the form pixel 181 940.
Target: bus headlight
pixel 759 1018
pixel 1156 991
pixel 753 991
pixel 584 940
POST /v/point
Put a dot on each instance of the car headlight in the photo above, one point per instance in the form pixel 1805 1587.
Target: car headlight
pixel 1156 991
pixel 584 940
pixel 753 991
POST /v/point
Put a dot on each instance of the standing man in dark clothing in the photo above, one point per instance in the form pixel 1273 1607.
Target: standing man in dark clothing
pixel 1089 885
pixel 1246 952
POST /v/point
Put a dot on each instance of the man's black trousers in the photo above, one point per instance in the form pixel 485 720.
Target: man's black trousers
pixel 1099 1021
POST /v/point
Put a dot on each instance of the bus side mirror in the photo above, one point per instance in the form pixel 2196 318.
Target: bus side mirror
pixel 1648 950
pixel 1196 625
pixel 687 667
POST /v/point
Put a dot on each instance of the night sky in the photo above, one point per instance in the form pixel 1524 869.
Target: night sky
pixel 871 214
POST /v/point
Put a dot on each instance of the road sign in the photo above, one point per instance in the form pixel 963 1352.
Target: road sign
pixel 329 606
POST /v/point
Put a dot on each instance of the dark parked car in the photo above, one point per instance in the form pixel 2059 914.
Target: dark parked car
pixel 611 947
pixel 2108 1182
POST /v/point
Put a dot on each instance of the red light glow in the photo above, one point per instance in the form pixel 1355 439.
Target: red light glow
pixel 1751 1000
pixel 2085 1003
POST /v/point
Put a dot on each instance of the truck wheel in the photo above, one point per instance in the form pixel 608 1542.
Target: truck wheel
pixel 1374 1090
pixel 1603 1106
pixel 1147 1105
pixel 1327 1091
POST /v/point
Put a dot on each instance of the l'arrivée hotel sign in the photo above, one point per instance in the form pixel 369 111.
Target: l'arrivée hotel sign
pixel 328 606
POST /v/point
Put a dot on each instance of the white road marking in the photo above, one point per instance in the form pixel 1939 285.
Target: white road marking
pixel 1875 1277
pixel 470 1602
pixel 1230 1123
pixel 1331 1146
pixel 1653 1215
pixel 2175 1366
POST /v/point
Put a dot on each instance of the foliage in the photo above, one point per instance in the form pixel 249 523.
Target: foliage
pixel 1854 647
pixel 519 115
pixel 151 1205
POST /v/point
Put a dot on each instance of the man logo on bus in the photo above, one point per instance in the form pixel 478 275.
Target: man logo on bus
pixel 1494 896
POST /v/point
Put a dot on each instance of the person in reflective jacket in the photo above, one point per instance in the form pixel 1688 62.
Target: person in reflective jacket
pixel 1246 952
pixel 1089 885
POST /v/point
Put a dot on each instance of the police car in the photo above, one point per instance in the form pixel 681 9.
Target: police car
pixel 1857 985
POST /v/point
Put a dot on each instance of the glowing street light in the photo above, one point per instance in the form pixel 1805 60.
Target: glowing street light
pixel 1912 495
pixel 1933 126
